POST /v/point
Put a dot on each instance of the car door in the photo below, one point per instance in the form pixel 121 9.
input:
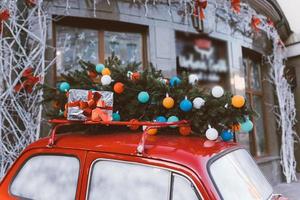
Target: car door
pixel 123 177
pixel 45 173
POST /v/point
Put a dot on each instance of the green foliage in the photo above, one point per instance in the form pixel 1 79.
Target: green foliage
pixel 216 112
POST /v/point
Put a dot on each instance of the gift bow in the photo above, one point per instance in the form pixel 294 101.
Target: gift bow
pixel 28 81
pixel 236 5
pixel 94 107
pixel 200 5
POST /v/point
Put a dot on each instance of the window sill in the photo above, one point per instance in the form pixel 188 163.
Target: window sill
pixel 266 159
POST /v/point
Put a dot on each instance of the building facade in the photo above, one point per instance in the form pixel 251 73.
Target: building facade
pixel 163 36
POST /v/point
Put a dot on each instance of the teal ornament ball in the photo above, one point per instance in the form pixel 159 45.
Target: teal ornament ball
pixel 161 119
pixel 226 135
pixel 173 119
pixel 116 116
pixel 186 105
pixel 99 67
pixel 143 97
pixel 246 126
pixel 175 81
pixel 64 87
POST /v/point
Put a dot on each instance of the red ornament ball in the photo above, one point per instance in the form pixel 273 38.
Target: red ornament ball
pixel 4 15
pixel 185 130
pixel 119 87
pixel 135 76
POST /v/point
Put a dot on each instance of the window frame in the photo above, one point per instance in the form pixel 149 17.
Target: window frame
pixel 251 92
pixel 171 180
pixel 20 167
pixel 101 26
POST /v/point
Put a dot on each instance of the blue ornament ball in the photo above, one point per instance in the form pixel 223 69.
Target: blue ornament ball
pixel 175 81
pixel 186 105
pixel 64 87
pixel 246 126
pixel 143 97
pixel 173 119
pixel 161 119
pixel 226 135
pixel 116 116
pixel 99 67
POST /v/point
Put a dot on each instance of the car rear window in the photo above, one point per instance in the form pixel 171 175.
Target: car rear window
pixel 47 177
pixel 237 176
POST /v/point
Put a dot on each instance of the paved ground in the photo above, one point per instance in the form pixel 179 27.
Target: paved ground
pixel 292 191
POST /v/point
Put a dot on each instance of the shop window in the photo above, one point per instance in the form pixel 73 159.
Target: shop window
pixel 254 93
pixel 94 43
pixel 203 56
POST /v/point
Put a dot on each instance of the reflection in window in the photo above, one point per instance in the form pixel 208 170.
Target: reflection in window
pixel 183 189
pixel 127 46
pixel 74 44
pixel 115 181
pixel 47 178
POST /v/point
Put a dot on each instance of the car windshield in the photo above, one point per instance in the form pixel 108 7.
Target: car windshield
pixel 237 176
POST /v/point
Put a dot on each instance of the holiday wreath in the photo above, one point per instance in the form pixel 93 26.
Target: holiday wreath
pixel 146 96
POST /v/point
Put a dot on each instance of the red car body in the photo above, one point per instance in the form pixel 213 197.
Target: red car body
pixel 189 156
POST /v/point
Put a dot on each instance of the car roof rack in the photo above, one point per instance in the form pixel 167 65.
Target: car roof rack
pixel 141 146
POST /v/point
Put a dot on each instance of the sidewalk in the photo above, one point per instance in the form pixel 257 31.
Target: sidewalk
pixel 292 191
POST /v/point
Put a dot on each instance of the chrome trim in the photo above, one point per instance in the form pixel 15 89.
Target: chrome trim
pixel 198 193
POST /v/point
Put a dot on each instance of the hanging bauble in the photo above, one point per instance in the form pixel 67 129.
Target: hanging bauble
pixel 173 119
pixel 152 131
pixel 226 135
pixel 236 127
pixel 238 101
pixel 64 86
pixel 168 102
pixel 217 91
pixel 133 126
pixel 92 74
pixel 198 102
pixel 106 80
pixel 175 81
pixel 193 79
pixel 106 71
pixel 135 76
pixel 143 97
pixel 246 126
pixel 116 116
pixel 99 68
pixel 186 105
pixel 119 87
pixel 185 130
pixel 211 134
pixel 160 119
pixel 163 80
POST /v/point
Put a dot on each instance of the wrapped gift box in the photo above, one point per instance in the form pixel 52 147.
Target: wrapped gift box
pixel 89 105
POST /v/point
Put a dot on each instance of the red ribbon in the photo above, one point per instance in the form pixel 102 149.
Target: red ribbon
pixel 255 22
pixel 200 6
pixel 93 108
pixel 236 5
pixel 28 81
pixel 4 15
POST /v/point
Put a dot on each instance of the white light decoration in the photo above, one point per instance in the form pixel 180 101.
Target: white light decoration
pixel 193 79
pixel 217 91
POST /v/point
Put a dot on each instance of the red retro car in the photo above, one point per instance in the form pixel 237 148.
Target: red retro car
pixel 114 166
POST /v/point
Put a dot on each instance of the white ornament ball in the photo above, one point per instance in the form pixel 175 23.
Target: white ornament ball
pixel 211 134
pixel 193 79
pixel 198 102
pixel 106 80
pixel 217 91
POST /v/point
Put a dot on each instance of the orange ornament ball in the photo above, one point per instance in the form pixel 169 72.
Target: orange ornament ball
pixel 135 76
pixel 134 127
pixel 106 71
pixel 238 101
pixel 119 87
pixel 152 131
pixel 168 102
pixel 235 127
pixel 185 130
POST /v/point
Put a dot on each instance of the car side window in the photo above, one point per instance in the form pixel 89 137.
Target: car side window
pixel 113 180
pixel 183 189
pixel 47 177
